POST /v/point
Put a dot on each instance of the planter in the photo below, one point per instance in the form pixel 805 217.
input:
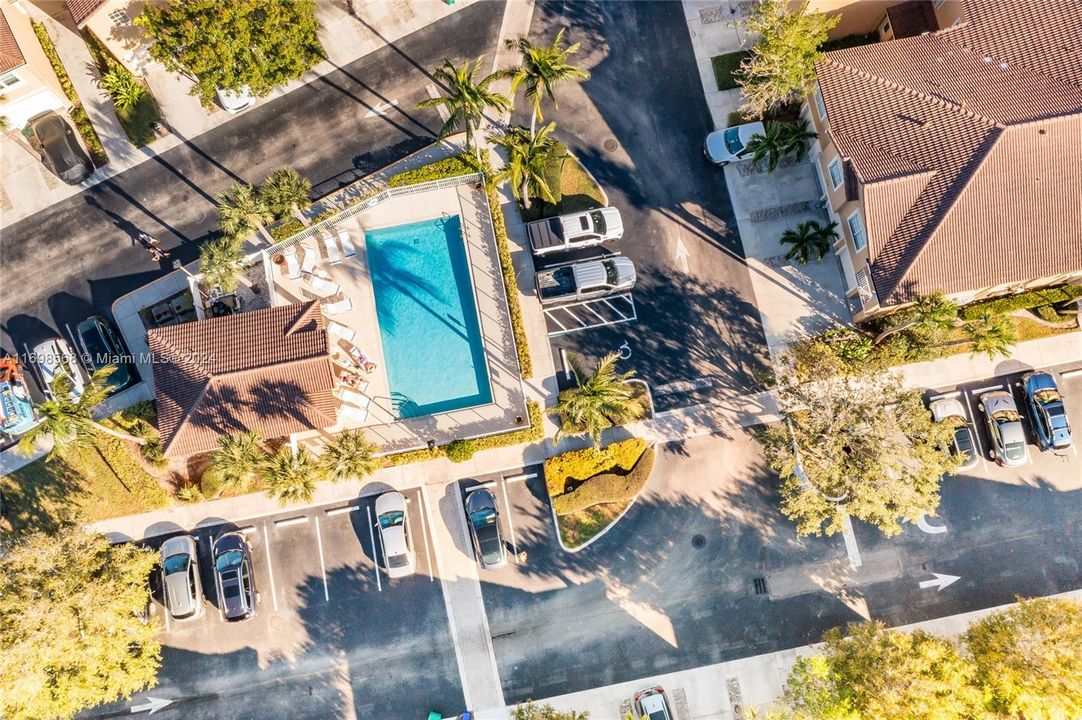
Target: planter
pixel 278 259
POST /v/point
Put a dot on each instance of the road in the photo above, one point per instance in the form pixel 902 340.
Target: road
pixel 74 258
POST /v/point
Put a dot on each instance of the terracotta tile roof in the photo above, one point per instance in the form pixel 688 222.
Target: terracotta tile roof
pixel 265 370
pixel 912 18
pixel 11 56
pixel 961 115
pixel 81 10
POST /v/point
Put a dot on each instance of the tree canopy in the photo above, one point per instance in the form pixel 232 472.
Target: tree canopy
pixel 236 44
pixel 533 711
pixel 69 635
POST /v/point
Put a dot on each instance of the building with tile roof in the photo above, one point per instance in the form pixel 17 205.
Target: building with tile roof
pixel 951 160
pixel 28 85
pixel 111 22
pixel 266 370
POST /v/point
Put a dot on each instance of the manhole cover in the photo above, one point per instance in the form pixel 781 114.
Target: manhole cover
pixel 610 145
pixel 698 541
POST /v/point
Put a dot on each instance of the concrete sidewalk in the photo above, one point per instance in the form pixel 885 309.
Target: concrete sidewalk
pixel 710 24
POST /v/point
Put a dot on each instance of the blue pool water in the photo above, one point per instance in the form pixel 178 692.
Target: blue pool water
pixel 427 317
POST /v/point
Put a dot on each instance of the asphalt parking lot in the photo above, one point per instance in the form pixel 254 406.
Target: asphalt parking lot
pixel 333 637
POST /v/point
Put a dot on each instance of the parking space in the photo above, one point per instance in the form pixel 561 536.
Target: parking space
pixel 330 625
pixel 525 527
pixel 589 314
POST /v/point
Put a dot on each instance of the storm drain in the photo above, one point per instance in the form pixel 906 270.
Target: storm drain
pixel 760 586
pixel 698 541
pixel 610 145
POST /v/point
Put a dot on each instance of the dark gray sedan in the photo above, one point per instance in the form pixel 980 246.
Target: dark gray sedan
pixel 60 150
pixel 484 520
pixel 233 576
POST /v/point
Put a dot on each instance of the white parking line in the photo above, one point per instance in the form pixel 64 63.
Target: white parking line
pixel 249 529
pixel 168 626
pixel 851 548
pixel 1071 373
pixel 322 566
pixel 299 520
pixel 429 549
pixel 487 485
pixel 942 396
pixel 375 555
pixel 976 432
pixel 510 523
pixel 990 388
pixel 341 510
pixel 520 478
pixel 270 570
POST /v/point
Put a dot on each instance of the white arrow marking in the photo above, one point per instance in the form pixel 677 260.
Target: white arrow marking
pixel 941 581
pixel 927 527
pixel 152 704
pixel 682 254
pixel 381 109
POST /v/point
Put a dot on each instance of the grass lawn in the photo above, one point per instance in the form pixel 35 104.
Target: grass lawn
pixel 582 526
pixel 140 121
pixel 724 67
pixel 578 191
pixel 1026 329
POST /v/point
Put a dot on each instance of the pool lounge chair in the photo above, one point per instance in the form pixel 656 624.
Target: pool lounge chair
pixel 352 397
pixel 353 414
pixel 347 243
pixel 333 256
pixel 310 257
pixel 337 307
pixel 293 266
pixel 337 328
pixel 322 284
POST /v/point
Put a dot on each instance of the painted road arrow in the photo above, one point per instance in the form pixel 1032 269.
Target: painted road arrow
pixel 381 109
pixel 928 527
pixel 941 581
pixel 152 704
pixel 682 254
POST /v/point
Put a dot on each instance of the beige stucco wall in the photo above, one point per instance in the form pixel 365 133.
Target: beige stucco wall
pixel 858 16
pixel 126 42
pixel 37 74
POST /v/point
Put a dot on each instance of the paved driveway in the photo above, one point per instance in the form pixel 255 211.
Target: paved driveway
pixel 638 124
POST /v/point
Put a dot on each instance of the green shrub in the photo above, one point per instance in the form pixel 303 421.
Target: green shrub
pixel 510 284
pixel 189 494
pixel 1048 313
pixel 286 229
pixel 849 41
pixel 459 450
pixel 578 465
pixel 606 488
pixel 154 453
pixel 461 164
pixel 739 117
pixel 725 66
pixel 123 88
pixel 1023 301
pixel 533 433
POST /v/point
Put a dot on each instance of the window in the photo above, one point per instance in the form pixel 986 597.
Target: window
pixel 884 28
pixel 819 104
pixel 835 170
pixel 938 3
pixel 9 80
pixel 856 229
pixel 120 18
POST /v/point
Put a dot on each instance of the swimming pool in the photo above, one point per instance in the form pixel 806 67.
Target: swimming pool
pixel 427 315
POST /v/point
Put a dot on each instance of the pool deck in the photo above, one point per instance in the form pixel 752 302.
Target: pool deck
pixel 353 277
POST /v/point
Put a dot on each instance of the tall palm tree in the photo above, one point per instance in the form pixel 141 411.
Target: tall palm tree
pixel 598 401
pixel 69 421
pixel 543 68
pixel 781 139
pixel 221 263
pixel 349 455
pixel 242 210
pixel 237 461
pixel 808 239
pixel 528 157
pixel 992 335
pixel 466 98
pixel 931 315
pixel 285 191
pixel 291 478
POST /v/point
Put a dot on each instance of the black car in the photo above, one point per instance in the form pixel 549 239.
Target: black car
pixel 100 346
pixel 60 150
pixel 233 576
pixel 484 520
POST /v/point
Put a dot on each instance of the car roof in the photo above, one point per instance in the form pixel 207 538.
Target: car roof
pixel 394 540
pixel 1012 433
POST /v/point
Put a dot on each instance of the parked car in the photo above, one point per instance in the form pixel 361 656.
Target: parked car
pixel 53 358
pixel 393 537
pixel 950 410
pixel 233 576
pixel 233 101
pixel 651 703
pixel 577 230
pixel 100 347
pixel 724 146
pixel 1004 428
pixel 1046 411
pixel 484 519
pixel 181 587
pixel 60 149
pixel 17 414
pixel 585 280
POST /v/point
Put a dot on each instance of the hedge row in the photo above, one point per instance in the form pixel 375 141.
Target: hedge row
pixel 78 114
pixel 449 167
pixel 606 488
pixel 579 465
pixel 461 450
pixel 1023 301
pixel 503 247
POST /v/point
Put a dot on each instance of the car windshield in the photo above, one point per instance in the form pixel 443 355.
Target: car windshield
pixel 963 441
pixel 611 275
pixel 599 220
pixel 732 140
pixel 100 354
pixel 391 519
pixel 658 715
pixel 482 517
pixel 175 563
pixel 1015 450
pixel 230 559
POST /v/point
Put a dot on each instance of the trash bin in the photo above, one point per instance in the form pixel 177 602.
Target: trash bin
pixel 435 716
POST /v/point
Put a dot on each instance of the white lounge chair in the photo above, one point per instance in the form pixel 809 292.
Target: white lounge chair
pixel 310 257
pixel 338 306
pixel 333 256
pixel 337 328
pixel 347 243
pixel 322 284
pixel 353 414
pixel 293 267
pixel 353 397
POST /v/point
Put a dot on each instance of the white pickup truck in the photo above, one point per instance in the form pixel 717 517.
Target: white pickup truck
pixel 585 280
pixel 577 230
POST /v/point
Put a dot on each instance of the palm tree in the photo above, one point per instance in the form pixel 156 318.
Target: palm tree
pixel 597 401
pixel 781 139
pixel 221 263
pixel 291 478
pixel 242 210
pixel 466 99
pixel 542 69
pixel 69 421
pixel 285 191
pixel 349 455
pixel 991 334
pixel 237 461
pixel 528 157
pixel 808 239
pixel 930 315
